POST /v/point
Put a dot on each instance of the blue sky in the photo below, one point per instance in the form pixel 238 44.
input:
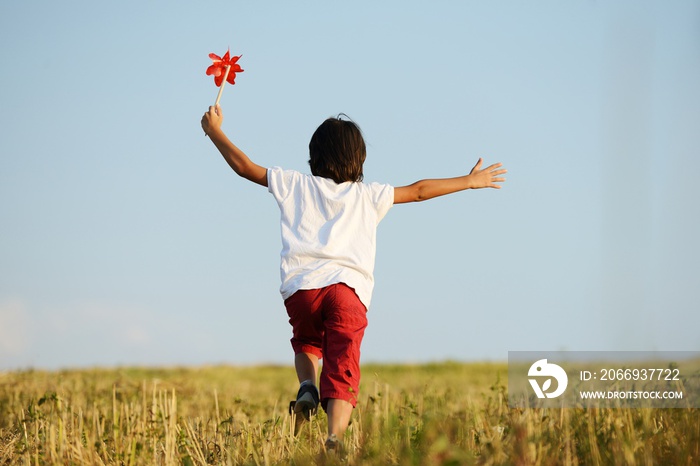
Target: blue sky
pixel 126 240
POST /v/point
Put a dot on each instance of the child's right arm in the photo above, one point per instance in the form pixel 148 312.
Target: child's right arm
pixel 236 158
pixel 428 189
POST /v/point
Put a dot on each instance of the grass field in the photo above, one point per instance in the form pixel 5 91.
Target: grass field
pixel 444 413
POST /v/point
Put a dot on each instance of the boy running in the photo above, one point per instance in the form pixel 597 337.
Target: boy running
pixel 328 225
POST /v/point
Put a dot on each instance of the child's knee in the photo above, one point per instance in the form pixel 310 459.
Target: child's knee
pixel 304 347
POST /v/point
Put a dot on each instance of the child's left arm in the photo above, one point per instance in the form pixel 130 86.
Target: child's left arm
pixel 428 189
pixel 236 158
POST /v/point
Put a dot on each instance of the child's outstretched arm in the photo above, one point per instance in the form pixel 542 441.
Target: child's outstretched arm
pixel 428 189
pixel 236 158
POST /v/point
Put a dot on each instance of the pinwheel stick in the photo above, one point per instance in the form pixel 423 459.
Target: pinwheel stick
pixel 223 83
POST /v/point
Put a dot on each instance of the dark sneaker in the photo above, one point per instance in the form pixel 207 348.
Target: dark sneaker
pixel 307 401
pixel 334 446
pixel 304 407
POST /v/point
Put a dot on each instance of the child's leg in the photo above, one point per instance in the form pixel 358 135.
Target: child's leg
pixel 306 365
pixel 305 316
pixel 344 320
pixel 303 308
pixel 339 413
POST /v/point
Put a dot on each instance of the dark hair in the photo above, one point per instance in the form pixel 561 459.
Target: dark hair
pixel 337 150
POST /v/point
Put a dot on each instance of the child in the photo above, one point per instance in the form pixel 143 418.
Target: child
pixel 329 221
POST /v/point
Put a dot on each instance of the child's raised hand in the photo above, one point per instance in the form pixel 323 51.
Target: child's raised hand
pixel 488 177
pixel 212 119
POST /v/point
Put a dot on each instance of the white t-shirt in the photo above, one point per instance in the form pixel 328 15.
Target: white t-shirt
pixel 329 231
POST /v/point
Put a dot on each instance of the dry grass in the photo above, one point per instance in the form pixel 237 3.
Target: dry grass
pixel 429 414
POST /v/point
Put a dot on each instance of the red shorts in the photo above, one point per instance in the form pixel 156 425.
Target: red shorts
pixel 330 323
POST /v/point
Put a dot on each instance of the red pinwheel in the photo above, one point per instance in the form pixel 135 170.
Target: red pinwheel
pixel 218 68
pixel 224 70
